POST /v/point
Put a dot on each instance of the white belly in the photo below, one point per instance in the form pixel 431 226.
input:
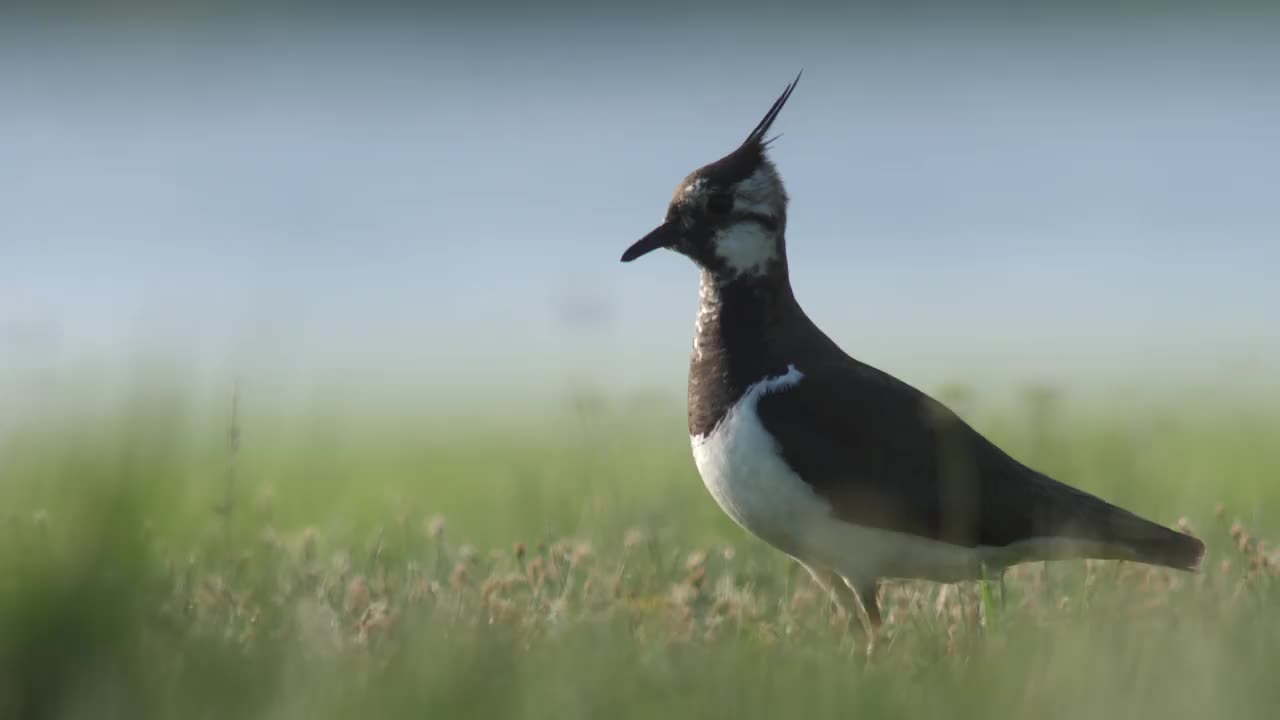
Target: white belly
pixel 742 467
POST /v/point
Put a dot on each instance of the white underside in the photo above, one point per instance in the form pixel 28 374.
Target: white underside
pixel 742 468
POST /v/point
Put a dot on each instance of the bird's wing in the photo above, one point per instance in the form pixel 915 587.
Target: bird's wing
pixel 886 455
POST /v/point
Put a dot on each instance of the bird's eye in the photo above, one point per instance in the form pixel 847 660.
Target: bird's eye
pixel 720 204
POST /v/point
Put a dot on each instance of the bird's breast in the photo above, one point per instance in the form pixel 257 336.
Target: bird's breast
pixel 743 469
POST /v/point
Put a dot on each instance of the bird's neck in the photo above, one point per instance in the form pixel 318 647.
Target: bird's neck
pixel 740 336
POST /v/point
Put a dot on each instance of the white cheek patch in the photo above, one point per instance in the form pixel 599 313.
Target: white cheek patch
pixel 746 247
pixel 759 193
pixel 758 208
pixel 760 185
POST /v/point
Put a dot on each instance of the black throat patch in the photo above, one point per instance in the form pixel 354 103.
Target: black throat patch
pixel 740 339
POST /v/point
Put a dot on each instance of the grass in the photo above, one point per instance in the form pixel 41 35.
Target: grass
pixel 330 565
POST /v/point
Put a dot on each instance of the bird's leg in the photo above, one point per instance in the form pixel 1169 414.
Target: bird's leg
pixel 848 595
pixel 866 592
pixel 839 593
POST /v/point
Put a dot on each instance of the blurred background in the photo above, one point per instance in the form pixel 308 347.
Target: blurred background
pixel 323 392
pixel 363 198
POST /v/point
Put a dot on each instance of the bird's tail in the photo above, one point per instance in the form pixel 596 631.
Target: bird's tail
pixel 1158 545
pixel 1118 534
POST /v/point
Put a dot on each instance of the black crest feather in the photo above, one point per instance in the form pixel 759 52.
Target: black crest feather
pixel 748 156
pixel 757 135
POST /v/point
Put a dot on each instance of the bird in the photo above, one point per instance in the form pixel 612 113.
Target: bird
pixel 855 474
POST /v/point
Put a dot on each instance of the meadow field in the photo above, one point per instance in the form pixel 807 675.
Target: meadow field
pixel 323 393
pixel 161 557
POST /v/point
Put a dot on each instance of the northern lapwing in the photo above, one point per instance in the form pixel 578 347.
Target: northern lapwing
pixel 855 474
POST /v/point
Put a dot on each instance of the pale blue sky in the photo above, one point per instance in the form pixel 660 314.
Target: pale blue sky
pixel 427 201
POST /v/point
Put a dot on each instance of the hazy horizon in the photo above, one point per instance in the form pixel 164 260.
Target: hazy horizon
pixel 436 203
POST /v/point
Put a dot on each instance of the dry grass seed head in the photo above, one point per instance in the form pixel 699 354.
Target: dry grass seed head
pixel 582 553
pixel 633 538
pixel 459 579
pixel 536 572
pixel 696 559
pixel 683 594
pixel 358 595
pixel 309 541
pixel 696 577
pixel 435 527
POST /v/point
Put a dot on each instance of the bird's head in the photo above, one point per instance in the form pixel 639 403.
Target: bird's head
pixel 730 216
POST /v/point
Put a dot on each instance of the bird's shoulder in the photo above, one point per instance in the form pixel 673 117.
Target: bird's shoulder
pixel 886 454
pixel 842 400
